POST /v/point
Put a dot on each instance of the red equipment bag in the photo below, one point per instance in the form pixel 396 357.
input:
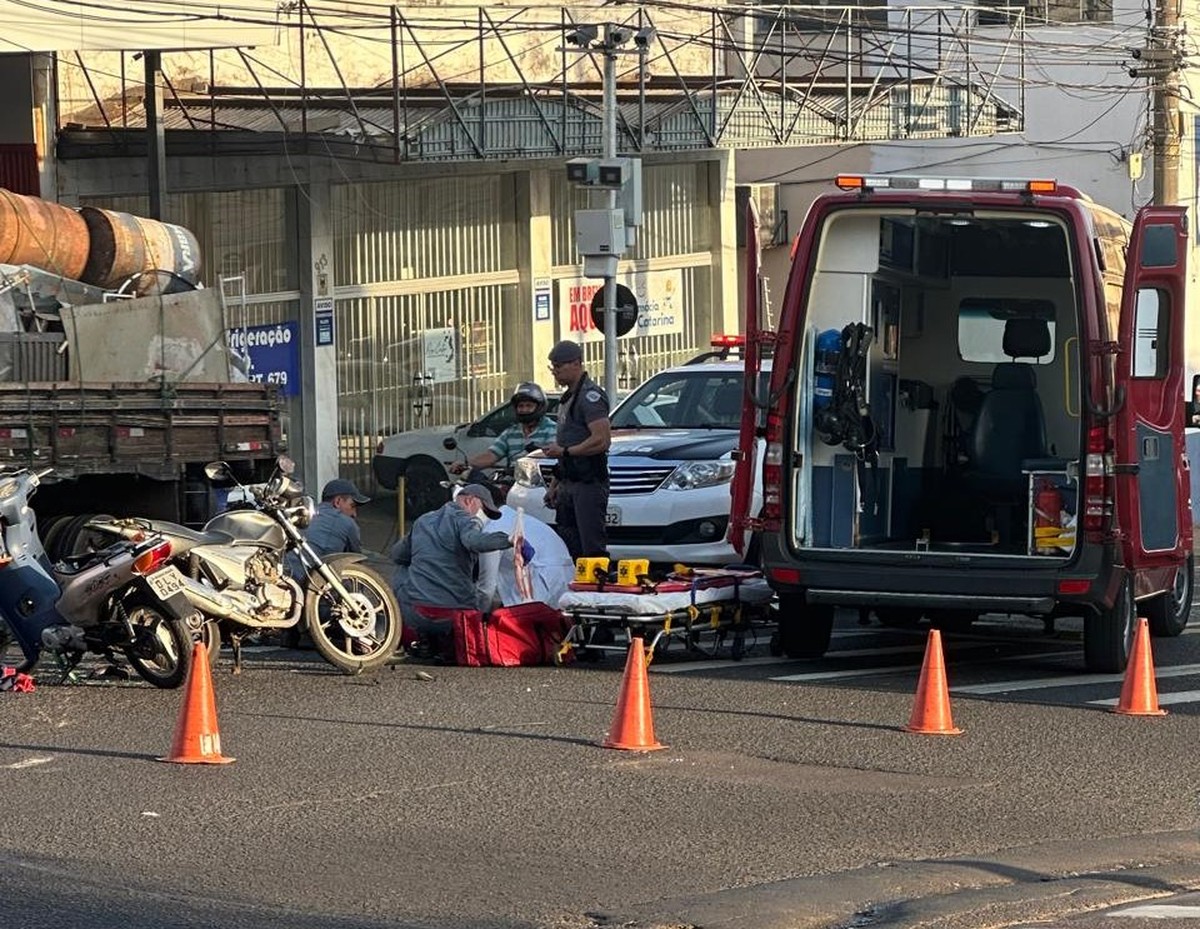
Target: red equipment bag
pixel 526 634
pixel 470 639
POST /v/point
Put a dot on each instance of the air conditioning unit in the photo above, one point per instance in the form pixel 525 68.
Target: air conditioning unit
pixel 772 221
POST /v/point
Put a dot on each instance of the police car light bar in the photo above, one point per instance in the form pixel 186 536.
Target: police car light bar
pixel 721 340
pixel 865 182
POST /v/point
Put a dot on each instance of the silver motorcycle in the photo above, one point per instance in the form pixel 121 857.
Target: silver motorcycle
pixel 252 570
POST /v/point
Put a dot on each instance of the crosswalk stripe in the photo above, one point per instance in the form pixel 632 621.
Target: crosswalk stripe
pixel 1178 696
pixel 1159 911
pixel 1076 680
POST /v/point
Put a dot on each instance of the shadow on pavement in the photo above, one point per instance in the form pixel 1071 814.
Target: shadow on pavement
pixel 46 893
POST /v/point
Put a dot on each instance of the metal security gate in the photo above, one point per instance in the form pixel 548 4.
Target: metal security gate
pixel 428 331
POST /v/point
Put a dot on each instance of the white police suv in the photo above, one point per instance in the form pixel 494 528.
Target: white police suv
pixel 670 465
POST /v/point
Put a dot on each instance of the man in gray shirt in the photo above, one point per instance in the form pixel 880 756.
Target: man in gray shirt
pixel 436 561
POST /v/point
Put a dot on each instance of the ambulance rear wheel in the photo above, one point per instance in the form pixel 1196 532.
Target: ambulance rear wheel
pixel 1108 633
pixel 1167 614
pixel 804 629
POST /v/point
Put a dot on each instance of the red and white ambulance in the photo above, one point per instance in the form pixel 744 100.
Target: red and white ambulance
pixel 977 405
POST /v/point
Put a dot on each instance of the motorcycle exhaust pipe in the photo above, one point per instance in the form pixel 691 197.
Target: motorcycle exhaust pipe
pixel 216 604
pixel 213 603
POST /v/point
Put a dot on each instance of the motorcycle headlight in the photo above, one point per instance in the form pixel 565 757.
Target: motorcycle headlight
pixel 303 512
pixel 695 474
pixel 8 487
pixel 527 473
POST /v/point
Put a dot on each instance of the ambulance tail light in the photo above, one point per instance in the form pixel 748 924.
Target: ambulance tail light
pixel 772 485
pixel 1097 480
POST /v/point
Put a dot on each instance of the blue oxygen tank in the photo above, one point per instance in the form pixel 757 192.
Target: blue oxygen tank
pixel 828 353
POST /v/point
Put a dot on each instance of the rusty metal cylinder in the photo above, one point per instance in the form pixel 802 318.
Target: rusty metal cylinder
pixel 127 248
pixel 46 235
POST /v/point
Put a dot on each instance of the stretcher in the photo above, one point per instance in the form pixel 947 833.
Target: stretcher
pixel 702 610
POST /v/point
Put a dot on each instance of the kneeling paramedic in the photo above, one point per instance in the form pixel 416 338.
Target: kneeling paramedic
pixel 437 561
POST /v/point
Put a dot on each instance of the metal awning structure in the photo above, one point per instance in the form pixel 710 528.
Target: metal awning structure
pixel 510 123
pixel 802 76
pixel 136 25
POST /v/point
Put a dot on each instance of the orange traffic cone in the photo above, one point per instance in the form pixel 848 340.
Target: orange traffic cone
pixel 633 724
pixel 197 739
pixel 931 712
pixel 1139 693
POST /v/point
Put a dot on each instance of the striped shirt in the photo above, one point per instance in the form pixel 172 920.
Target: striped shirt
pixel 510 444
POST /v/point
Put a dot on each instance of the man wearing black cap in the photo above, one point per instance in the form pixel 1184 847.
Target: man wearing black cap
pixel 579 494
pixel 335 527
pixel 437 559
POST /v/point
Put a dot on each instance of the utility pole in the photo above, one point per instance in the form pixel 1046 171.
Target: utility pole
pixel 603 235
pixel 1160 62
pixel 610 280
pixel 156 147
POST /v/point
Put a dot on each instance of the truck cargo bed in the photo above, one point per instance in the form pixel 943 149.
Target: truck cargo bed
pixel 135 428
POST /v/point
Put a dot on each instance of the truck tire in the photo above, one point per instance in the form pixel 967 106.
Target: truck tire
pixel 423 490
pixel 51 530
pixel 1167 614
pixel 804 629
pixel 1108 633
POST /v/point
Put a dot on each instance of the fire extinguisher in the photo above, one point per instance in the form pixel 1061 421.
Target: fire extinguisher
pixel 1047 505
pixel 828 354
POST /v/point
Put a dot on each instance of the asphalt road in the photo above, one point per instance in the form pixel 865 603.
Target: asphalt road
pixel 787 795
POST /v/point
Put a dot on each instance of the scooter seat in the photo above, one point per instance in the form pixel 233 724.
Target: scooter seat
pixel 73 564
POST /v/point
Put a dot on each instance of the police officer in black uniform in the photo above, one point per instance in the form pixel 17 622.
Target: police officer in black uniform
pixel 579 494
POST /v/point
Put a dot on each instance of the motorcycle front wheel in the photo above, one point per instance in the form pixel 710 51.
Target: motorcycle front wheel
pixel 354 639
pixel 161 651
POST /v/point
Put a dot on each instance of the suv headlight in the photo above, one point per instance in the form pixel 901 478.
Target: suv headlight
pixel 528 473
pixel 695 474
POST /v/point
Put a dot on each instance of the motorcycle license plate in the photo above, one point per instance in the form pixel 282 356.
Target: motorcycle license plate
pixel 166 582
pixel 612 517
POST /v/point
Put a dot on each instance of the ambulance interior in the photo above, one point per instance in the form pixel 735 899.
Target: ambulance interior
pixel 940 390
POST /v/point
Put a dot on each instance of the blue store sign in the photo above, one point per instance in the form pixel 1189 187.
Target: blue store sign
pixel 273 352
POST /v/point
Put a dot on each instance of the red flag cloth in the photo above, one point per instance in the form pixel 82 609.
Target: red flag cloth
pixel 14 680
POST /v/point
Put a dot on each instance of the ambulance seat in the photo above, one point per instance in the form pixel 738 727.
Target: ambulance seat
pixel 1009 435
